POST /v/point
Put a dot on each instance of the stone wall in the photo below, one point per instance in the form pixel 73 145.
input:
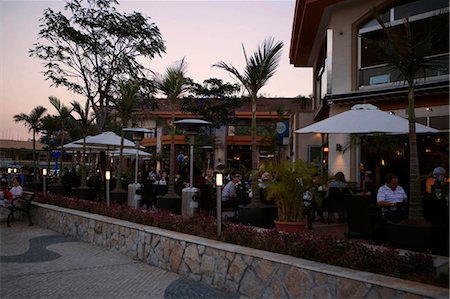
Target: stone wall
pixel 250 272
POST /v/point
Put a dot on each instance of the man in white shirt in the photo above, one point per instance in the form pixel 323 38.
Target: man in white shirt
pixel 390 195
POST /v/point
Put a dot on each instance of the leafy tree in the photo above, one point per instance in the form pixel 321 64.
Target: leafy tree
pixel 407 53
pixel 84 120
pixel 93 49
pixel 259 68
pixel 214 101
pixel 174 85
pixel 34 124
pixel 62 117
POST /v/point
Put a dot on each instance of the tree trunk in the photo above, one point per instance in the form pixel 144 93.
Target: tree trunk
pixel 415 196
pixel 118 187
pixel 253 132
pixel 83 164
pixel 35 174
pixel 171 187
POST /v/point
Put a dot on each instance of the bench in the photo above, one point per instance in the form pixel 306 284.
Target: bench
pixel 21 203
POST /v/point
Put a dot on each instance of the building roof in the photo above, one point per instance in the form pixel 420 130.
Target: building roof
pixel 265 106
pixel 307 17
pixel 18 144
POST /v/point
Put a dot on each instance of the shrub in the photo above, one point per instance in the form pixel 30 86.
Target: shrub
pixel 326 249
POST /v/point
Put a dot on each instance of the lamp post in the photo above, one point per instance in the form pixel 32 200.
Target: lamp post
pixel 107 178
pixel 44 186
pixel 219 183
pixel 9 176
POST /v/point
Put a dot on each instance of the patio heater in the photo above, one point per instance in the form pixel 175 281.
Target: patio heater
pixel 133 189
pixel 189 195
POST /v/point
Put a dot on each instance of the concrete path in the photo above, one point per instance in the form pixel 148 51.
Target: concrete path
pixel 40 263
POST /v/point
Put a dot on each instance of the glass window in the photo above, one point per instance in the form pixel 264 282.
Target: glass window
pixel 418 7
pixel 440 122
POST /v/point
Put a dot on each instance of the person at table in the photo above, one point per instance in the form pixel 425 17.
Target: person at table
pixel 439 172
pixel 229 191
pixel 390 196
pixel 17 189
pixel 340 183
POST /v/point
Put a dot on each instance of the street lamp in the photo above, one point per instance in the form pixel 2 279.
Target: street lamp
pixel 107 178
pixel 9 175
pixel 44 186
pixel 219 183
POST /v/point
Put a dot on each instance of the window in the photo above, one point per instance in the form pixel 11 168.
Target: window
pixel 424 15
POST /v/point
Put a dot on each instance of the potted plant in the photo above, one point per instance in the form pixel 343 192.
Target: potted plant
pixel 293 189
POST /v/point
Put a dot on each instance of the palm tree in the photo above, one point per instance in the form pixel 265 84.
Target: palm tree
pixel 259 68
pixel 173 84
pixel 85 120
pixel 125 106
pixel 408 55
pixel 63 114
pixel 34 123
pixel 49 127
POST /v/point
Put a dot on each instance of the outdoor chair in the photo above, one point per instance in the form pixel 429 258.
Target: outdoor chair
pixel 334 202
pixel 363 219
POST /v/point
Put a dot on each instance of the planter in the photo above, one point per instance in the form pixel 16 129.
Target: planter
pixel 263 216
pixel 290 227
pixel 414 237
pixel 87 193
pixel 118 197
pixel 63 190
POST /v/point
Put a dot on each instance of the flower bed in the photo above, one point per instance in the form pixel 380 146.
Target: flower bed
pixel 324 249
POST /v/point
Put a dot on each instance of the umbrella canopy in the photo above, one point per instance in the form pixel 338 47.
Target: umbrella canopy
pixel 107 140
pixel 130 152
pixel 77 145
pixel 364 118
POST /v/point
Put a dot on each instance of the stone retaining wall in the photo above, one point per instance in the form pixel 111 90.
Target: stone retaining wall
pixel 250 272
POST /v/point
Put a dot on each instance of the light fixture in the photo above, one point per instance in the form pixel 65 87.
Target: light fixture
pixel 219 179
pixel 44 171
pixel 15 170
pixel 383 163
pixel 325 149
pixel 219 183
pixel 9 170
pixel 429 109
pixel 107 178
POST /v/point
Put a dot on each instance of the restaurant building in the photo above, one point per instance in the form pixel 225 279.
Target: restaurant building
pixel 338 38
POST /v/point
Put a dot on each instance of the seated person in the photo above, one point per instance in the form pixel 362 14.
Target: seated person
pixel 17 189
pixel 14 192
pixel 390 196
pixel 340 183
pixel 229 192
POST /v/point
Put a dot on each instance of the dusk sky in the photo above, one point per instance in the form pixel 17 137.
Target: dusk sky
pixel 205 32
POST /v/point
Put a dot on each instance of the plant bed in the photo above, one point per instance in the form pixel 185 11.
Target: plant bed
pixel 387 261
pixel 87 193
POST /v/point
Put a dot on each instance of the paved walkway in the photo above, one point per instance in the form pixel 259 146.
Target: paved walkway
pixel 40 263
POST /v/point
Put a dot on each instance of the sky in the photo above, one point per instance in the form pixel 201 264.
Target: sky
pixel 204 32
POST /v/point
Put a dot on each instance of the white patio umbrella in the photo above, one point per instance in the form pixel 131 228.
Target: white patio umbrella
pixel 107 140
pixel 364 119
pixel 129 152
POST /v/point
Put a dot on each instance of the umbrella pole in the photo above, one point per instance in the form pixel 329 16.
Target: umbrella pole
pixel 136 163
